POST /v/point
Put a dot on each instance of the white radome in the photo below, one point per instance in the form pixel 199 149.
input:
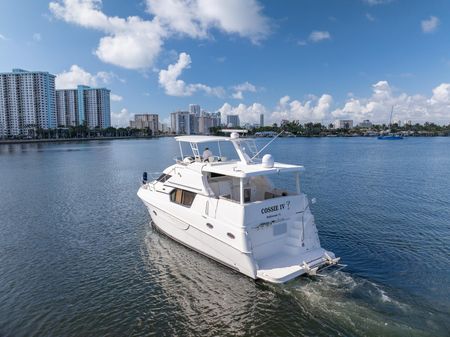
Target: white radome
pixel 230 211
pixel 267 161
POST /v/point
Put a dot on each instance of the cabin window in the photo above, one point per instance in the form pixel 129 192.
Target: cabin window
pixel 164 177
pixel 182 197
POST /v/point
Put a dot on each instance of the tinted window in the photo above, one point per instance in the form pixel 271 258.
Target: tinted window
pixel 163 177
pixel 182 197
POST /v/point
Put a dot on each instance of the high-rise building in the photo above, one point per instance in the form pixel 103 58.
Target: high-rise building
pixel 194 109
pixel 233 121
pixel 146 121
pixel 84 105
pixel 27 102
pixel 180 122
pixel 261 120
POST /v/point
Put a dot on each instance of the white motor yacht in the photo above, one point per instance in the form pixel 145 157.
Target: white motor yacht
pixel 231 211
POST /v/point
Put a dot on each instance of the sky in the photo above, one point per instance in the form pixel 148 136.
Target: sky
pixel 306 60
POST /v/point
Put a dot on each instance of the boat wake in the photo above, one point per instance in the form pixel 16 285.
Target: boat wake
pixel 214 300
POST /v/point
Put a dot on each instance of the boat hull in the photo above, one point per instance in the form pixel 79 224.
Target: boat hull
pixel 201 242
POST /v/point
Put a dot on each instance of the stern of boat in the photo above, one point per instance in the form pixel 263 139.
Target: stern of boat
pixel 285 244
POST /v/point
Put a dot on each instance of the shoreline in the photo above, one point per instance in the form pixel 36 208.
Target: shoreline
pixel 61 140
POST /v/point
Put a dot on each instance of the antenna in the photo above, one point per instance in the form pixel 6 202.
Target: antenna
pixel 257 153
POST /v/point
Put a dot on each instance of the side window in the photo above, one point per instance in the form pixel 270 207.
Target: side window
pixel 182 197
pixel 163 178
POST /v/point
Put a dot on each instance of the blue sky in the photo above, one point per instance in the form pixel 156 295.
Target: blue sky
pixel 311 60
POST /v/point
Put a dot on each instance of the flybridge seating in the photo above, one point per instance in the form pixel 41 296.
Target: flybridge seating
pixel 244 180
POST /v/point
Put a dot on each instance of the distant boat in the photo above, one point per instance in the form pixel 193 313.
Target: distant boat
pixel 389 135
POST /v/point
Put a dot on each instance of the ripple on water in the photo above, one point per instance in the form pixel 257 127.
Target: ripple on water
pixel 211 299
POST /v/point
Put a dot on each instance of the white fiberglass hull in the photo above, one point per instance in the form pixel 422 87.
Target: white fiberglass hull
pixel 279 268
pixel 201 242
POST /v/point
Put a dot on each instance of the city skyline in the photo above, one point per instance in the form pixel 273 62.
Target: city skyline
pixel 307 61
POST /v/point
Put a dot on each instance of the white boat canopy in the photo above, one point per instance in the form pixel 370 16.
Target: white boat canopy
pixel 237 170
pixel 201 139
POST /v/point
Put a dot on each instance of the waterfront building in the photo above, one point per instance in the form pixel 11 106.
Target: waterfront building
pixel 164 128
pixel 261 120
pixel 27 102
pixel 233 121
pixel 195 121
pixel 146 121
pixel 180 122
pixel 343 124
pixel 365 124
pixel 83 106
pixel 194 109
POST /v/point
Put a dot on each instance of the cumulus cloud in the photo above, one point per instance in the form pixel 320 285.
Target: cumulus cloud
pixel 121 118
pixel 131 43
pixel 134 43
pixel 376 107
pixel 78 76
pixel 196 17
pixel 241 88
pixel 116 98
pixel 246 113
pixel 173 86
pixel 430 25
pixel 312 109
pixel 417 108
pixel 317 36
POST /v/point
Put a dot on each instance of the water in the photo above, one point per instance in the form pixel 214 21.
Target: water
pixel 78 256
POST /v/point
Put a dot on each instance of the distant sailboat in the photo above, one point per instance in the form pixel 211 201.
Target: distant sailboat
pixel 389 135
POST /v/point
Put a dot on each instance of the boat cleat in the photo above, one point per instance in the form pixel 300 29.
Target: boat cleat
pixel 330 261
pixel 310 271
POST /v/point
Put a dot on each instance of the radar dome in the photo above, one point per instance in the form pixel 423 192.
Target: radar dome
pixel 267 161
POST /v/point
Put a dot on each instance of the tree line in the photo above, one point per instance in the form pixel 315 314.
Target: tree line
pixel 318 129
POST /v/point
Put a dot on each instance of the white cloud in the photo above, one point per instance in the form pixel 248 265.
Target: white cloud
pixel 78 76
pixel 376 107
pixel 131 43
pixel 312 109
pixel 430 25
pixel 417 108
pixel 247 113
pixel 317 36
pixel 241 88
pixel 121 118
pixel 3 37
pixel 37 37
pixel 116 98
pixel 134 43
pixel 195 17
pixel 168 79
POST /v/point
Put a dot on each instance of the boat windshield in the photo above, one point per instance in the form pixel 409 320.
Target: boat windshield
pixel 219 150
